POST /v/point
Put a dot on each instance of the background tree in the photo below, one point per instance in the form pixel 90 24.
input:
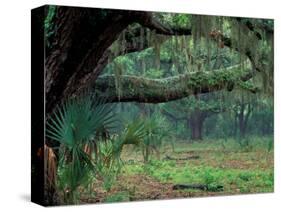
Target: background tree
pixel 194 111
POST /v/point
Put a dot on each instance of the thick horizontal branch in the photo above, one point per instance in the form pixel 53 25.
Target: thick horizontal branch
pixel 140 89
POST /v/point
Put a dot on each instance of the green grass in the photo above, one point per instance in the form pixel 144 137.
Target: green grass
pixel 244 180
pixel 118 197
pixel 239 171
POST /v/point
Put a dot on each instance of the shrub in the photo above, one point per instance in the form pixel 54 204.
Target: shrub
pixel 74 124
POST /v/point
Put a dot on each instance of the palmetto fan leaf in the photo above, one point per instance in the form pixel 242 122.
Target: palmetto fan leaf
pixel 77 120
pixel 134 132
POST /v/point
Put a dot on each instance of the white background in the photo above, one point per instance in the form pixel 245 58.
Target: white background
pixel 15 104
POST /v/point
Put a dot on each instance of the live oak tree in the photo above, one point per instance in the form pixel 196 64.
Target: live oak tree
pixel 80 45
pixel 80 42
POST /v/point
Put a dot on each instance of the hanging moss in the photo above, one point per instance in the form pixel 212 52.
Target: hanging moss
pixel 157 49
pixel 197 52
pixel 118 70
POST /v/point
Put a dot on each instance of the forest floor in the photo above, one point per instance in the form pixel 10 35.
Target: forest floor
pixel 238 170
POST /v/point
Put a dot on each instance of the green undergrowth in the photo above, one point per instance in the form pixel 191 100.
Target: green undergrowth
pixel 233 180
pixel 250 143
pixel 238 171
pixel 118 197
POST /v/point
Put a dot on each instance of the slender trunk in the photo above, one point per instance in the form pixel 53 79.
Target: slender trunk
pixel 196 122
pixel 146 153
pixel 241 122
pixel 242 127
pixel 235 124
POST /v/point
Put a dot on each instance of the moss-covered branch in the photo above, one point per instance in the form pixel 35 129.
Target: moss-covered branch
pixel 147 90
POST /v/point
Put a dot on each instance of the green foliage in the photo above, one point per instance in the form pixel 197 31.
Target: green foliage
pixel 48 23
pixel 246 176
pixel 270 144
pixel 213 168
pixel 74 124
pixel 72 175
pixel 134 132
pixel 108 163
pixel 154 73
pixel 146 134
pixel 76 121
pixel 118 197
pixel 181 20
pixel 245 144
pixel 208 177
pixel 174 19
pixel 156 130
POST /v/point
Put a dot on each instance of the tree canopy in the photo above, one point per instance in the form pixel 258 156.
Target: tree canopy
pixel 189 54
